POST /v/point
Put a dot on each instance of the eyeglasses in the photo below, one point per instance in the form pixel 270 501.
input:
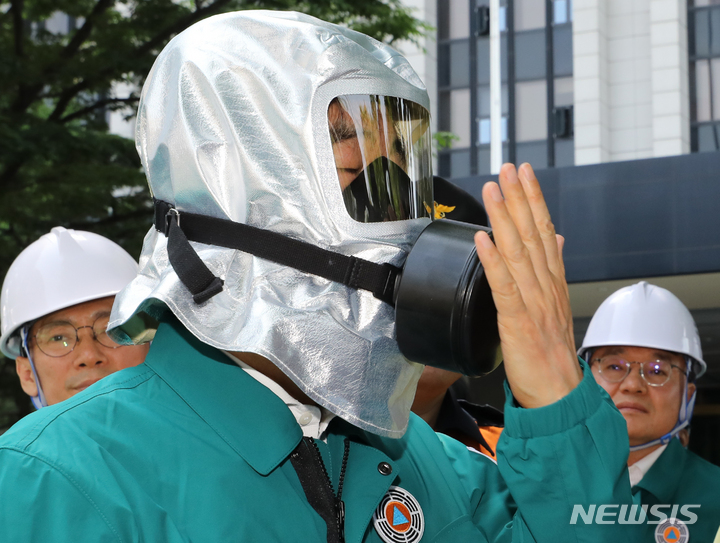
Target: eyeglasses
pixel 614 369
pixel 58 339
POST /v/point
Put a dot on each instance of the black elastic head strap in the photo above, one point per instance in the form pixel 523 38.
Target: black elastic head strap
pixel 191 270
pixel 181 228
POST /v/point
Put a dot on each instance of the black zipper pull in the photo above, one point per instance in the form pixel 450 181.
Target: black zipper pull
pixel 307 461
pixel 341 520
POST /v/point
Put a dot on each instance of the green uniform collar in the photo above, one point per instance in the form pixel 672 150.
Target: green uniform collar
pixel 257 425
pixel 231 402
pixel 663 477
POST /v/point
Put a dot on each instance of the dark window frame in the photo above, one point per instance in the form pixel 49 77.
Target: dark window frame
pixel 509 36
pixel 693 57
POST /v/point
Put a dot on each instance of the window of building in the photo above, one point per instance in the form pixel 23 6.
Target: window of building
pixel 483 65
pixel 460 163
pixel 529 14
pixel 564 91
pixel 459 25
pixel 707 83
pixel 529 85
pixel 502 23
pixel 562 12
pixel 484 130
pixel 562 50
pixel 704 52
pixel 484 158
pixel 534 152
pixel 530 55
pixel 707 25
pixel 483 96
pixel 531 108
pixel 459 74
pixel 459 108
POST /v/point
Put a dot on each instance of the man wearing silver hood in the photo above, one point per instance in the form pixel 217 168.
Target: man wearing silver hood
pixel 280 149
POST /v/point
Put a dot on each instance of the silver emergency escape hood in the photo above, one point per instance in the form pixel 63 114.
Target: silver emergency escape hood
pixel 233 124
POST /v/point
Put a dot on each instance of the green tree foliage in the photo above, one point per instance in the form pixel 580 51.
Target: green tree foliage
pixel 59 165
pixel 445 140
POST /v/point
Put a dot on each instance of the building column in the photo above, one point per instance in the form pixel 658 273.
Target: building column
pixel 423 59
pixel 590 67
pixel 670 85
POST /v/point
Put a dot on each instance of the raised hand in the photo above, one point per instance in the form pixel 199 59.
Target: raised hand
pixel 525 270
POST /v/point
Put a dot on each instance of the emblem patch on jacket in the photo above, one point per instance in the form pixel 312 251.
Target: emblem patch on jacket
pixel 672 531
pixel 399 517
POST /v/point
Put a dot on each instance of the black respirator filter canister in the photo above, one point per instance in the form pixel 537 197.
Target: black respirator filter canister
pixel 444 311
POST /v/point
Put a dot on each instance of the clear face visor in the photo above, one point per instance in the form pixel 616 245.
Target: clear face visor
pixel 383 153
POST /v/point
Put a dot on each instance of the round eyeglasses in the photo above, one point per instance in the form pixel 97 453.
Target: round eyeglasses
pixel 58 339
pixel 614 369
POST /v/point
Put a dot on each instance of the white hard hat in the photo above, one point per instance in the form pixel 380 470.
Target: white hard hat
pixel 59 270
pixel 645 315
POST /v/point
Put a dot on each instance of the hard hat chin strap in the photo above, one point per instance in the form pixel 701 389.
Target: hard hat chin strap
pixel 684 416
pixel 39 400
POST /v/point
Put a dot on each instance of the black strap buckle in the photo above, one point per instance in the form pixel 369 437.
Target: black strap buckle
pixel 168 218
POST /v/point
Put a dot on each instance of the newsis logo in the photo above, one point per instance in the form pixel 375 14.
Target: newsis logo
pixel 633 514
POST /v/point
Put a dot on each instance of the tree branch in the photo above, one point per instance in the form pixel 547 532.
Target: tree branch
pixel 18 27
pixel 71 48
pixel 18 38
pixel 180 25
pixel 97 105
pixel 30 93
pixel 8 174
pixel 83 32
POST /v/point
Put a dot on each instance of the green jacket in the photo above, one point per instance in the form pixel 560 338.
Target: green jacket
pixel 187 447
pixel 680 477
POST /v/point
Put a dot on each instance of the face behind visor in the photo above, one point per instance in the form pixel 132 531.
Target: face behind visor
pixel 381 147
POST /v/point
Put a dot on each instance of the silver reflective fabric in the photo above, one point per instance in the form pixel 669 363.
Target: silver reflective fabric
pixel 233 123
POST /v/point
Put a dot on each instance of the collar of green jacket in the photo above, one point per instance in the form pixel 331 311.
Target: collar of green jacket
pixel 199 386
pixel 200 374
pixel 663 477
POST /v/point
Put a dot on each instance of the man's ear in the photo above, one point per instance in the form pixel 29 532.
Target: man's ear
pixel 691 390
pixel 25 373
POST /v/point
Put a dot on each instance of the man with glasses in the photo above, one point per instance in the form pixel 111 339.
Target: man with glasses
pixel 56 302
pixel 644 350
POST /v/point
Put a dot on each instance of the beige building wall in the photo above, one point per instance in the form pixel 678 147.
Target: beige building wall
pixel 423 58
pixel 631 79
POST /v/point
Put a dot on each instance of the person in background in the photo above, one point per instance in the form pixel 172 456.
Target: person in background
pixel 644 350
pixel 56 301
pixel 437 403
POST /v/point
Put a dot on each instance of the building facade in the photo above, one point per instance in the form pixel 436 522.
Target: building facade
pixel 616 103
pixel 584 81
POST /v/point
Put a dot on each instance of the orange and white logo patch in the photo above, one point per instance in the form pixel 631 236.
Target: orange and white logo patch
pixel 672 531
pixel 399 517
